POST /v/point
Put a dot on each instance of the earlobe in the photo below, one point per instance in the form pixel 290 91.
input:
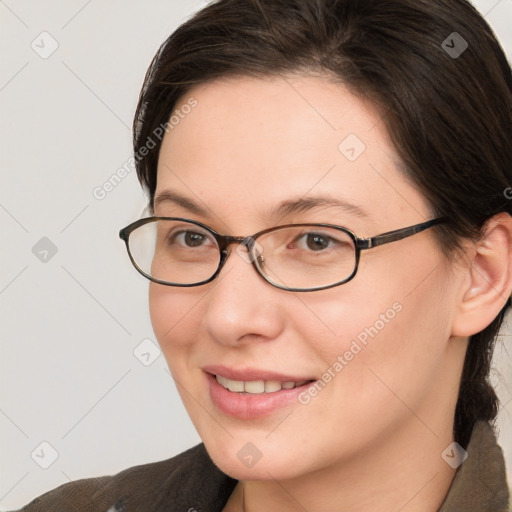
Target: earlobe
pixel 488 280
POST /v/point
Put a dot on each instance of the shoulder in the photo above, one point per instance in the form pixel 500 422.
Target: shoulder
pixel 187 481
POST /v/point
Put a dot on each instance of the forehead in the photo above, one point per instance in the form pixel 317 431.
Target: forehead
pixel 248 144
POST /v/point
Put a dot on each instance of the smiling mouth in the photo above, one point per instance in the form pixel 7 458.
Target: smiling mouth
pixel 257 387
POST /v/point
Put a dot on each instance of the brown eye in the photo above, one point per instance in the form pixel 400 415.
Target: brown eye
pixel 193 239
pixel 316 242
pixel 188 239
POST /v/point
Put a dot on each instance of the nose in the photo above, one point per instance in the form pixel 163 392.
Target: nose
pixel 242 306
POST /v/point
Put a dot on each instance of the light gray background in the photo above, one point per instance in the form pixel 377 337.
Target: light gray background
pixel 69 325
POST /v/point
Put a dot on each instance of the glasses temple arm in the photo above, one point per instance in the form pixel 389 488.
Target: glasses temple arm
pixel 398 234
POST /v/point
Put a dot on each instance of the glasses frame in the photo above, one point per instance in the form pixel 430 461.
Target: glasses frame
pixel 223 241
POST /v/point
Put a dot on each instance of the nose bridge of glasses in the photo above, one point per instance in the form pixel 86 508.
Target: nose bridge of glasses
pixel 253 254
pixel 226 240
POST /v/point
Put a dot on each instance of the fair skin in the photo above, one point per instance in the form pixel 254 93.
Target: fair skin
pixel 372 438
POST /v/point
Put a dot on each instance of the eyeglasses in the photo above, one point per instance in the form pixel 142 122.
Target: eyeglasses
pixel 296 257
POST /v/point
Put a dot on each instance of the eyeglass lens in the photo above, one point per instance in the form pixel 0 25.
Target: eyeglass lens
pixel 300 256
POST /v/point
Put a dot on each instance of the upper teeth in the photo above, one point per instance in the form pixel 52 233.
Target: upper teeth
pixel 256 386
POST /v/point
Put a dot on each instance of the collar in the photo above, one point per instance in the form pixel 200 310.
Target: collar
pixel 480 484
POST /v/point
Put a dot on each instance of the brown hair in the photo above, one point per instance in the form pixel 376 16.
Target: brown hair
pixel 448 115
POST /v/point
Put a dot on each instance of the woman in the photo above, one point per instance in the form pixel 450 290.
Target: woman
pixel 329 249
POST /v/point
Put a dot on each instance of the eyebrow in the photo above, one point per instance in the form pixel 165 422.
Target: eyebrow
pixel 168 196
pixel 306 203
pixel 284 208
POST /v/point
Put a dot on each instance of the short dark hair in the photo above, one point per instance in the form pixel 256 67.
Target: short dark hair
pixel 448 113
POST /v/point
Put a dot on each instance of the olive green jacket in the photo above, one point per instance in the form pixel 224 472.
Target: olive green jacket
pixel 190 482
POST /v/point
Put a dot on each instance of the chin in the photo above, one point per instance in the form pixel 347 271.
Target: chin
pixel 243 460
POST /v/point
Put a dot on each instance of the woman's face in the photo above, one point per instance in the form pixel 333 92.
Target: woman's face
pixel 379 345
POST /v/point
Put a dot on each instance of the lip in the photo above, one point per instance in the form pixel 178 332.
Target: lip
pixel 252 374
pixel 248 406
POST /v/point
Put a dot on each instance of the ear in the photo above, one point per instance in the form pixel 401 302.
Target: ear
pixel 487 282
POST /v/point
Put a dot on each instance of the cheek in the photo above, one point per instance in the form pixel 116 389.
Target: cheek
pixel 347 319
pixel 173 315
pixel 380 349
